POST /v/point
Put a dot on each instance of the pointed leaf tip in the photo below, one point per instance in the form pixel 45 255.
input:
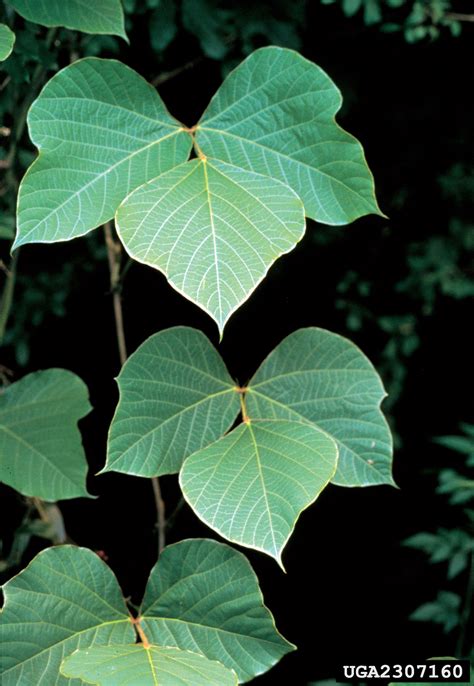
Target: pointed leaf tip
pixel 252 485
pixel 213 229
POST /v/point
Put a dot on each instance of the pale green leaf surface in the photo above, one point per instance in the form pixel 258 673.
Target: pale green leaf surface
pixel 134 665
pixel 7 41
pixel 102 131
pixel 318 376
pixel 274 114
pixel 213 229
pixel 176 396
pixel 203 596
pixel 41 452
pixel 252 485
pixel 66 599
pixel 104 16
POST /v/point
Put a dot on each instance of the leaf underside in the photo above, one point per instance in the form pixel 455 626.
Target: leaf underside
pixel 252 485
pixel 213 229
pixel 104 17
pixel 274 114
pixel 41 452
pixel 102 130
pixel 202 596
pixel 269 151
pixel 66 599
pixel 317 376
pixel 176 396
pixel 134 665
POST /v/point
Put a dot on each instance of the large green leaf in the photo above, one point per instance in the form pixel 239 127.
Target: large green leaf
pixel 66 598
pixel 274 114
pixel 176 396
pixel 213 229
pixel 201 596
pixel 315 375
pixel 41 453
pixel 105 16
pixel 102 131
pixel 204 596
pixel 252 485
pixel 7 41
pixel 135 665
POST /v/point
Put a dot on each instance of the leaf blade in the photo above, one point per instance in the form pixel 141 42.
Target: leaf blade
pixel 204 596
pixel 102 131
pixel 104 18
pixel 252 485
pixel 41 449
pixel 274 114
pixel 317 376
pixel 176 396
pixel 66 598
pixel 139 666
pixel 213 229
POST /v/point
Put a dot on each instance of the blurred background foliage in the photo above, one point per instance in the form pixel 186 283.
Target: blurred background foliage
pixel 400 288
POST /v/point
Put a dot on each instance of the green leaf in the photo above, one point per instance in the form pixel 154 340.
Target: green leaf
pixel 176 396
pixel 7 41
pixel 204 596
pixel 41 452
pixel 213 229
pixel 102 131
pixel 274 114
pixel 105 16
pixel 252 485
pixel 139 666
pixel 317 376
pixel 201 596
pixel 66 598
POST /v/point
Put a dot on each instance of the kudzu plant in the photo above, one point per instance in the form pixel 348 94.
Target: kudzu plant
pixel 211 206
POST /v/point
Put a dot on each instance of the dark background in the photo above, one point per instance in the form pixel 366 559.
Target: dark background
pixel 350 585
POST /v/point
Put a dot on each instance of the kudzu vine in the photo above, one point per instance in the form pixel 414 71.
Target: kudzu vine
pixel 212 207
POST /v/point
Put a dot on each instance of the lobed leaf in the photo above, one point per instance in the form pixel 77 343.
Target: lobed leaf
pixel 317 376
pixel 252 485
pixel 201 596
pixel 7 41
pixel 102 130
pixel 213 229
pixel 41 452
pixel 135 665
pixel 176 396
pixel 105 16
pixel 274 114
pixel 204 596
pixel 66 598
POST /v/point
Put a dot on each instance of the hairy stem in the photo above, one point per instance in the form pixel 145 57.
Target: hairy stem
pixel 114 254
